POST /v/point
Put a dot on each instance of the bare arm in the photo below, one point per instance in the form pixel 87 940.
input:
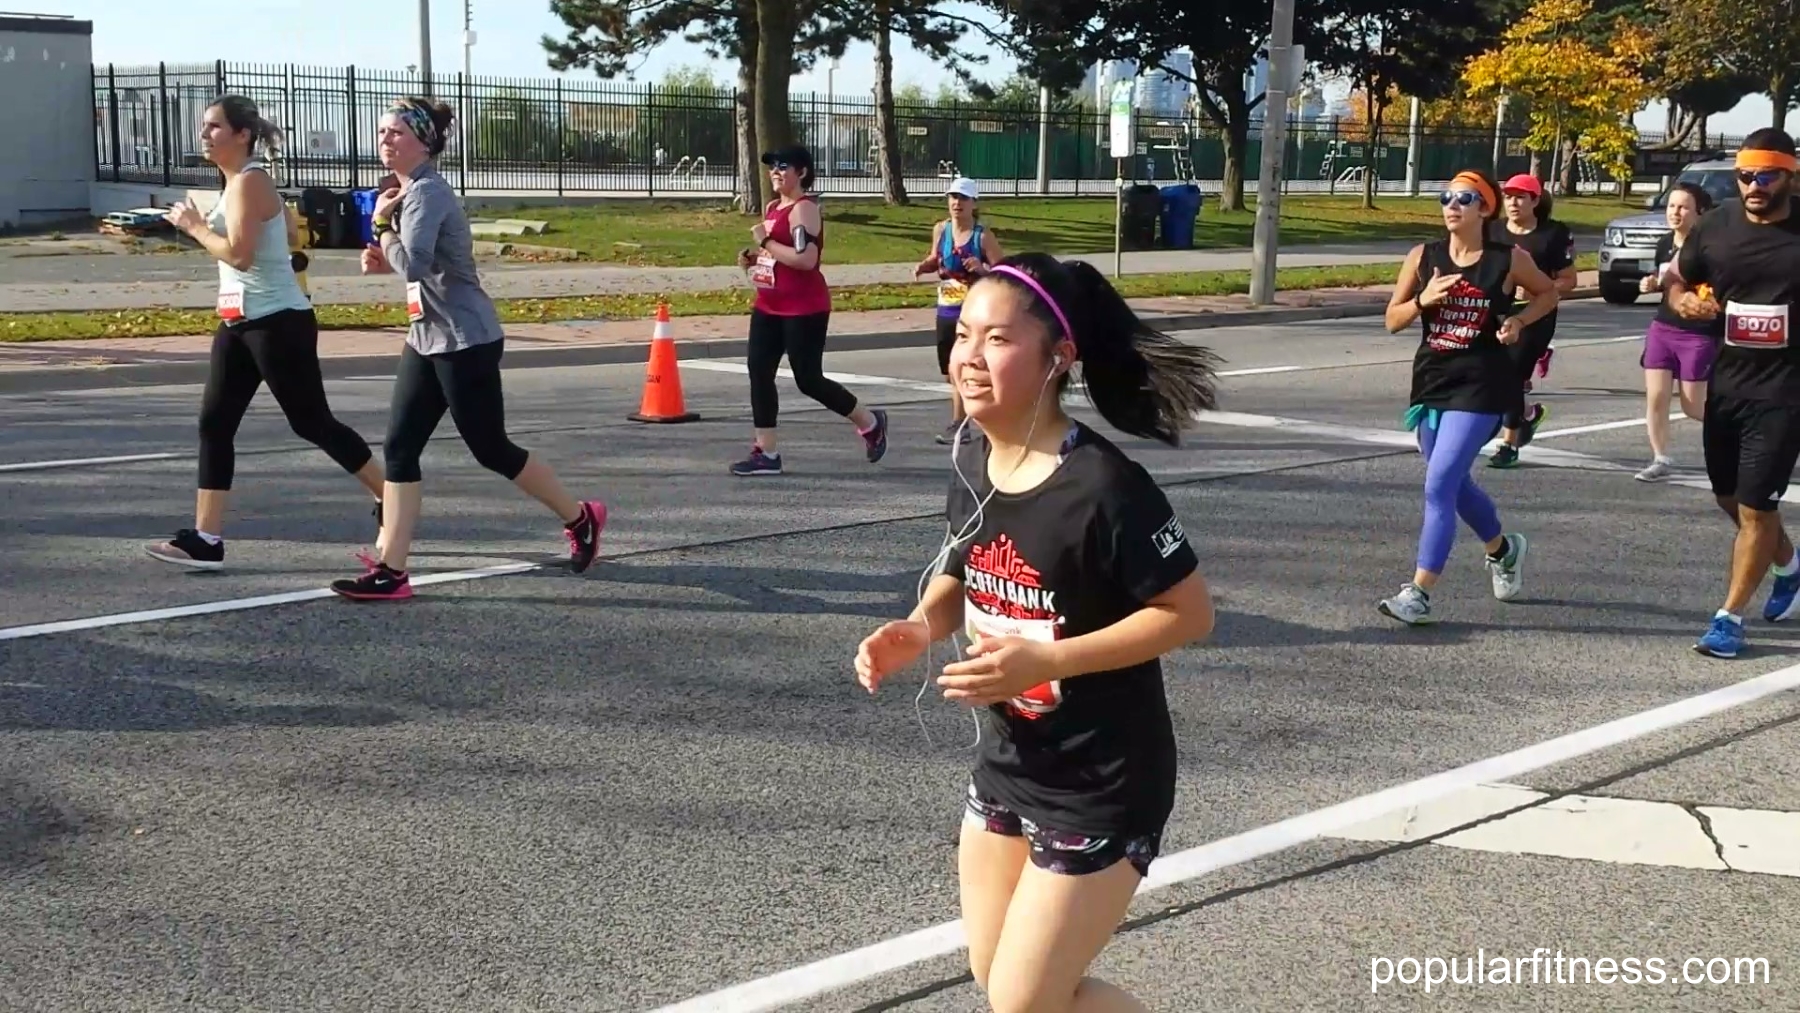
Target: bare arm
pixel 1175 618
pixel 804 216
pixel 252 201
pixel 941 610
pixel 1543 292
pixel 930 261
pixel 1565 280
pixel 990 251
pixel 1402 312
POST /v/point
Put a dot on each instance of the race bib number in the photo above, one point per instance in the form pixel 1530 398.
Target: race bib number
pixel 1038 700
pixel 231 302
pixel 415 301
pixel 762 273
pixel 952 292
pixel 1751 326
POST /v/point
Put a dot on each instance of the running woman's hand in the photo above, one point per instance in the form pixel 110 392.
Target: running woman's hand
pixel 185 217
pixel 999 669
pixel 1438 289
pixel 1510 331
pixel 759 233
pixel 1649 284
pixel 746 258
pixel 930 265
pixel 384 205
pixel 889 650
pixel 374 261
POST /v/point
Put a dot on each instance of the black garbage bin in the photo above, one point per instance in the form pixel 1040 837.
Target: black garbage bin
pixel 1143 206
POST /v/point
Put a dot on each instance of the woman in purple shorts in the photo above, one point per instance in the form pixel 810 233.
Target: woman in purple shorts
pixel 1676 349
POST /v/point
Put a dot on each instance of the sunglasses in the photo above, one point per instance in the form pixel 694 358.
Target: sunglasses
pixel 1461 198
pixel 1765 178
pixel 781 166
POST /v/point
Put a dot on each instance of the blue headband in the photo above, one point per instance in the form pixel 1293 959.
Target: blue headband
pixel 419 122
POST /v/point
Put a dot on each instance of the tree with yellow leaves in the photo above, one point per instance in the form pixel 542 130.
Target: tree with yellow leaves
pixel 1577 91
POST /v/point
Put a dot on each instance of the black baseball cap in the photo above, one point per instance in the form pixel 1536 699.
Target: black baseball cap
pixel 793 155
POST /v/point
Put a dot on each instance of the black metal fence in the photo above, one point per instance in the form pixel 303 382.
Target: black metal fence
pixel 551 136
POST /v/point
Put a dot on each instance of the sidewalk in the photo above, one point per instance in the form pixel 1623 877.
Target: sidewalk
pixel 337 282
pixel 598 342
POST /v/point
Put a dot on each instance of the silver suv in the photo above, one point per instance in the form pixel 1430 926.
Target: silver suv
pixel 1628 251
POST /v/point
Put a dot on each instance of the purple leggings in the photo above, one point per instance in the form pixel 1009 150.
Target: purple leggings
pixel 1450 448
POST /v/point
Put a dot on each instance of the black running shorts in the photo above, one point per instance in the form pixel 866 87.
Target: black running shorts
pixel 1751 448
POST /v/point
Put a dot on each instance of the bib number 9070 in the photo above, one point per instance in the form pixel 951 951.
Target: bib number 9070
pixel 1752 326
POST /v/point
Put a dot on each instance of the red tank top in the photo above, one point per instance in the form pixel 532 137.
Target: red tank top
pixel 781 290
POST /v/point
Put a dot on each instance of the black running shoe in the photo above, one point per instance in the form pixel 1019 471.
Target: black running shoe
pixel 875 440
pixel 381 583
pixel 584 535
pixel 188 549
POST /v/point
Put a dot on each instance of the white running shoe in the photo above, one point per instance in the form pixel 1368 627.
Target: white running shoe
pixel 1411 606
pixel 1509 579
pixel 1659 469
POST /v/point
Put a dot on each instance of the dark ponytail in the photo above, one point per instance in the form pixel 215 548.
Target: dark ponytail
pixel 1142 381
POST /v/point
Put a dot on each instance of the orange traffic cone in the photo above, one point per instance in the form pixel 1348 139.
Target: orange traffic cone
pixel 662 379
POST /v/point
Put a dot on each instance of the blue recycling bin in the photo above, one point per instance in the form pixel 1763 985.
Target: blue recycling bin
pixel 365 214
pixel 1180 210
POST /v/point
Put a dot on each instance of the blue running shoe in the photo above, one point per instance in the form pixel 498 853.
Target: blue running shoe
pixel 1784 600
pixel 1724 639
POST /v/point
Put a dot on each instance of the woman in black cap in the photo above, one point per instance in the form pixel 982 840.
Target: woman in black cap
pixel 792 314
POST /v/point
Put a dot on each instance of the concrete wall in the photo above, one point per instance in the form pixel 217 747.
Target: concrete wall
pixel 47 157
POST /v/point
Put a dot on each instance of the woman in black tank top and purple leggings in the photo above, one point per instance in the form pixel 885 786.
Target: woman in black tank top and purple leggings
pixel 1460 291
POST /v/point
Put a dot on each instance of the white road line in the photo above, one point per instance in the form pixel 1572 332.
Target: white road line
pixel 871 961
pixel 716 366
pixel 242 604
pixel 83 462
pixel 1595 828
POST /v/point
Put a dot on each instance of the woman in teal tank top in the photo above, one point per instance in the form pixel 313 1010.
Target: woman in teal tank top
pixel 267 331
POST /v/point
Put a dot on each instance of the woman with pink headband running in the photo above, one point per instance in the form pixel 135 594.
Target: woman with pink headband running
pixel 1071 576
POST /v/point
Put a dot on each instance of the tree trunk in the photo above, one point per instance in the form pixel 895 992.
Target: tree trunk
pixel 775 30
pixel 1371 163
pixel 748 153
pixel 887 128
pixel 1781 95
pixel 1568 181
pixel 1237 144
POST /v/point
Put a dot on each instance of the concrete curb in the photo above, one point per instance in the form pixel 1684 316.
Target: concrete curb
pixel 28 380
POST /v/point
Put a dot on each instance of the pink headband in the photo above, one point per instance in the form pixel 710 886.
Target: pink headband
pixel 1032 283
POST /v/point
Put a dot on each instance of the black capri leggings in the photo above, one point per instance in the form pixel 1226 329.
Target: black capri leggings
pixel 802 339
pixel 1525 355
pixel 467 383
pixel 282 350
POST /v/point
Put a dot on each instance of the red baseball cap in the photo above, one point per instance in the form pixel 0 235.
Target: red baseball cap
pixel 1524 182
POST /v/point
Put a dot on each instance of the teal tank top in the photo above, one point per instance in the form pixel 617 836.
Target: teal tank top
pixel 269 286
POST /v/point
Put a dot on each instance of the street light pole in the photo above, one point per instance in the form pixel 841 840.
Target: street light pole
pixel 1282 76
pixel 425 46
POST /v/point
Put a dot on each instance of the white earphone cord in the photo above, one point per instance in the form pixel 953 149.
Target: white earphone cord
pixel 969 530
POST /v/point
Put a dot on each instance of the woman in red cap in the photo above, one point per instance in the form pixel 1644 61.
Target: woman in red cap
pixel 1551 244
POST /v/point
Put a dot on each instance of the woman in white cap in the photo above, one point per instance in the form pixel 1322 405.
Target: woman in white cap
pixel 962 250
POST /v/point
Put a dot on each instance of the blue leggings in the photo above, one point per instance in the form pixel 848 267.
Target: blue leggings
pixel 1450 448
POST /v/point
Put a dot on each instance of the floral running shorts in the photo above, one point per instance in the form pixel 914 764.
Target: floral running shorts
pixel 1057 851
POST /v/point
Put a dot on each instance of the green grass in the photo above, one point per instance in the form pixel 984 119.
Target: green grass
pixel 860 231
pixel 152 323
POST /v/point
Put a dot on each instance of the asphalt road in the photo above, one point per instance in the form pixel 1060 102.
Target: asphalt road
pixel 535 791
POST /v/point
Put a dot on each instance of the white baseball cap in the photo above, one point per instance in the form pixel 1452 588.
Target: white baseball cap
pixel 963 186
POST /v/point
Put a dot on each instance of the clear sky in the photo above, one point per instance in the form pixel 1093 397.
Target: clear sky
pixel 268 31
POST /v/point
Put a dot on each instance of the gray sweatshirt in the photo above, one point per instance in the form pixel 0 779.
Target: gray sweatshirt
pixel 436 250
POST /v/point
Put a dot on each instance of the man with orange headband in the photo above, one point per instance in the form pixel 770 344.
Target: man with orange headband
pixel 1743 261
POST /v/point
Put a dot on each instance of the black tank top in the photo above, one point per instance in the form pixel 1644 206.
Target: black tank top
pixel 1461 364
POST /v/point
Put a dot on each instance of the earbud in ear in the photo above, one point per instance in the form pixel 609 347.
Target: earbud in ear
pixel 1056 360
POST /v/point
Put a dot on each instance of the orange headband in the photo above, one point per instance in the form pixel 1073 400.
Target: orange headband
pixel 1753 160
pixel 1479 185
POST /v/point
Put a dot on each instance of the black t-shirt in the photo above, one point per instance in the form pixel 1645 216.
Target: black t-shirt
pixel 1551 245
pixel 1754 271
pixel 1092 755
pixel 1461 364
pixel 1665 313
